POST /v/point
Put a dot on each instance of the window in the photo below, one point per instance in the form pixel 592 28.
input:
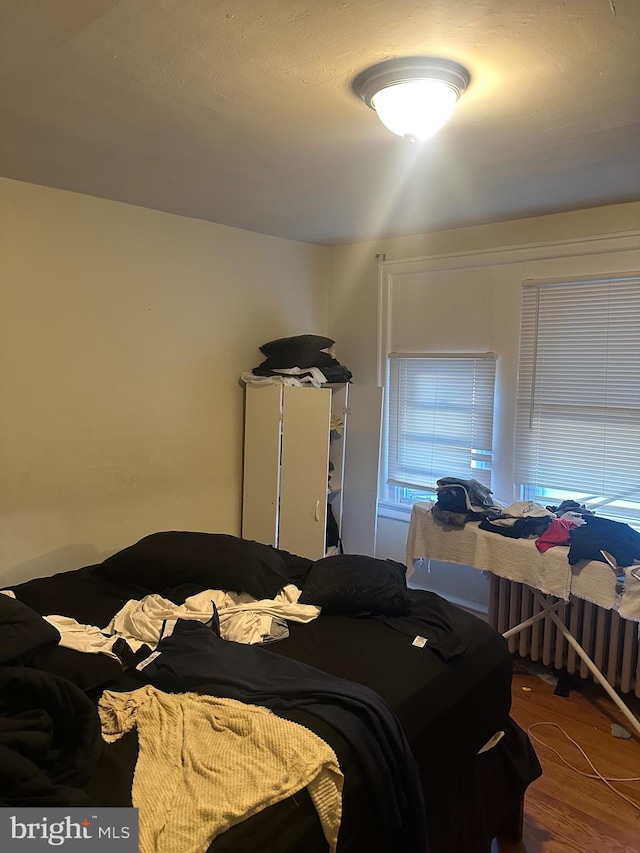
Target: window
pixel 578 406
pixel 439 421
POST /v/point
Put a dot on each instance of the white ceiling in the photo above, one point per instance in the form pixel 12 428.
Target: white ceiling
pixel 240 111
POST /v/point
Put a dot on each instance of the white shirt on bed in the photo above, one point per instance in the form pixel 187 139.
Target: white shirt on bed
pixel 243 619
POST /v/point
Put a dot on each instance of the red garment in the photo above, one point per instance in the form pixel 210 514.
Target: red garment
pixel 557 533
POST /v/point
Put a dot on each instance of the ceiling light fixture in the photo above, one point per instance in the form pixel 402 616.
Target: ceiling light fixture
pixel 413 96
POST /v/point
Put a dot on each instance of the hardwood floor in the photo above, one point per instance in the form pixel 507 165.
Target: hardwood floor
pixel 565 812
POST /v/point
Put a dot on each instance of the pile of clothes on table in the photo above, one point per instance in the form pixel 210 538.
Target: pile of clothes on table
pixel 530 520
pixel 460 501
pixel 570 523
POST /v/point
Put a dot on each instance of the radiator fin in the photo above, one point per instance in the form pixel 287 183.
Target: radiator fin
pixel 611 642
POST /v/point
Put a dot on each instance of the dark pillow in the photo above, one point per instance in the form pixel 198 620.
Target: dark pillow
pixel 352 584
pixel 165 560
pixel 298 358
pixel 77 593
pixel 297 342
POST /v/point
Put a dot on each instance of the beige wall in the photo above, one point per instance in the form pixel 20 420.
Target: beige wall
pixel 353 290
pixel 123 332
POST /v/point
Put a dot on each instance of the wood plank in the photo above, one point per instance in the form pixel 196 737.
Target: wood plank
pixel 564 811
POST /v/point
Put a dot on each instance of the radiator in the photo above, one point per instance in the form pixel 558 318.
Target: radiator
pixel 611 642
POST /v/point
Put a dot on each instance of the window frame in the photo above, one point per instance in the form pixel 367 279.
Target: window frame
pixel 539 331
pixel 397 499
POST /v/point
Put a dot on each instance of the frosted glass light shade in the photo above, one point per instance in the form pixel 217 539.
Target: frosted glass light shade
pixel 412 95
pixel 415 109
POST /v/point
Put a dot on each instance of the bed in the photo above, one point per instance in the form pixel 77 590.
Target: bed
pixel 406 689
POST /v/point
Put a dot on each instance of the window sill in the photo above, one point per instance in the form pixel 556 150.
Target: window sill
pixel 399 512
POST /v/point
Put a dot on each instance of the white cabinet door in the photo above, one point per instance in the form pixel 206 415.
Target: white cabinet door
pixel 287 448
pixel 304 471
pixel 263 407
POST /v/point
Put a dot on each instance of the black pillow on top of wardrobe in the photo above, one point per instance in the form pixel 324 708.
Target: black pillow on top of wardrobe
pixel 298 358
pixel 297 342
pixel 353 585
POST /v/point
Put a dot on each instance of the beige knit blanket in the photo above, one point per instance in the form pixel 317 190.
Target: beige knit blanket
pixel 205 764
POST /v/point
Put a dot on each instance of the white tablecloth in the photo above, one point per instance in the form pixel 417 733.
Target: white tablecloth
pixel 519 560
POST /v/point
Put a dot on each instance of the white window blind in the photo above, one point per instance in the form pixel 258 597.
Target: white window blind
pixel 578 409
pixel 440 418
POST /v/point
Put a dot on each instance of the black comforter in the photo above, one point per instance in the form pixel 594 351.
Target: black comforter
pixel 49 729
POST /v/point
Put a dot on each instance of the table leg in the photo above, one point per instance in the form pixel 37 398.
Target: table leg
pixel 599 677
pixel 548 609
pixel 530 621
